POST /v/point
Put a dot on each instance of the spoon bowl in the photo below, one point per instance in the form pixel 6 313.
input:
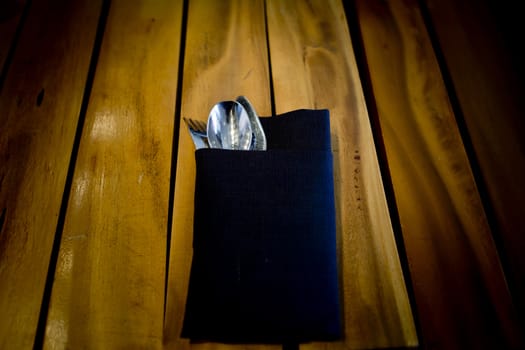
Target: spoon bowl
pixel 229 126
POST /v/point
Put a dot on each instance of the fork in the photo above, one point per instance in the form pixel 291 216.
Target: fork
pixel 198 132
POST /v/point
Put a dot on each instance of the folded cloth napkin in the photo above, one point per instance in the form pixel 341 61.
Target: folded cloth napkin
pixel 264 266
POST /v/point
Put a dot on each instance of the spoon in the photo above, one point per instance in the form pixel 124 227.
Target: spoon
pixel 258 138
pixel 229 126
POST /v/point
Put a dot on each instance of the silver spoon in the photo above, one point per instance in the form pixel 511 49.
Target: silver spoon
pixel 259 138
pixel 229 126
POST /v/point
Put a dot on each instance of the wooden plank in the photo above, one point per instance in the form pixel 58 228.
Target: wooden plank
pixel 489 82
pixel 10 14
pixel 225 56
pixel 460 290
pixel 39 109
pixel 109 282
pixel 314 67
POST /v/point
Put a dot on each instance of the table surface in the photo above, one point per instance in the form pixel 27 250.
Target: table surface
pixel 97 168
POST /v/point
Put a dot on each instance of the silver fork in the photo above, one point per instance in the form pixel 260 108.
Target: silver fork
pixel 198 132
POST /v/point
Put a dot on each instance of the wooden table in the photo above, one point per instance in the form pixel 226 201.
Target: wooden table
pixel 97 171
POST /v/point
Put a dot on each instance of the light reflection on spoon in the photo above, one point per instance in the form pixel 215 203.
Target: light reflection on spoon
pixel 229 126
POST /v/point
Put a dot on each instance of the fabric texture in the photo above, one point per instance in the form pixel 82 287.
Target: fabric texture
pixel 264 266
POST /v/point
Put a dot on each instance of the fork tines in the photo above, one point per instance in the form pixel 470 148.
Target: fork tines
pixel 196 125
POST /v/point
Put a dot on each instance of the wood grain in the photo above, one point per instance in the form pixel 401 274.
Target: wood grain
pixel 489 82
pixel 39 109
pixel 10 14
pixel 108 291
pixel 225 56
pixel 461 294
pixel 314 67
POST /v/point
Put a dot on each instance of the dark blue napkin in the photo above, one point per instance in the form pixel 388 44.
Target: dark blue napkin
pixel 264 266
